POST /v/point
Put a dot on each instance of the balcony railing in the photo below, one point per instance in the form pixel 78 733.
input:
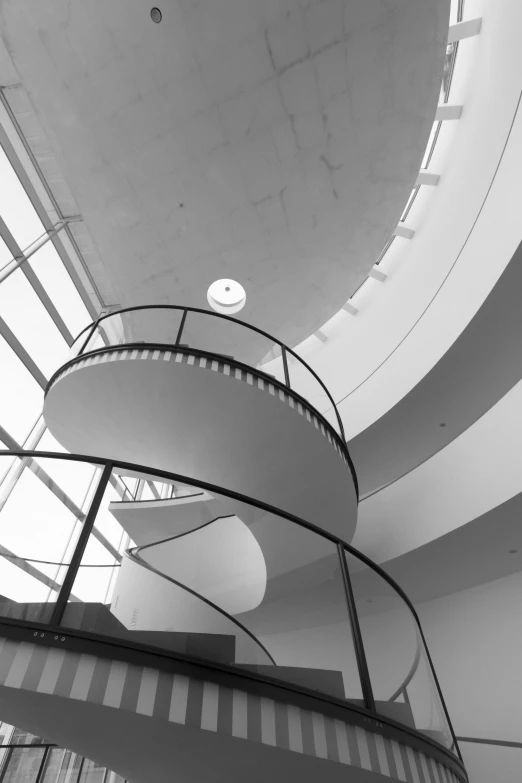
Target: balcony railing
pixel 256 589
pixel 215 334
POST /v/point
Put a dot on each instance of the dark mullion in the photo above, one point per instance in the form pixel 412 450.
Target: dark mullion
pixel 360 655
pixel 87 528
pixel 45 299
pixel 40 210
pixel 22 354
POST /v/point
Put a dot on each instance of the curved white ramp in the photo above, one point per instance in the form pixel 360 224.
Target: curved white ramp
pixel 148 521
pixel 205 419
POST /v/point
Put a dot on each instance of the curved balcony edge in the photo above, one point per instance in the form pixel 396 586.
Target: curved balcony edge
pixel 330 431
pixel 65 592
pixel 261 685
pixel 186 312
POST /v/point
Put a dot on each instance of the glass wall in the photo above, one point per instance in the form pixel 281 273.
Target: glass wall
pixel 25 758
pixel 41 306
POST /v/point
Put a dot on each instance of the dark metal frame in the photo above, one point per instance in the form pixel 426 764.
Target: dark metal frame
pixel 134 554
pixel 219 358
pixel 79 641
pixel 341 546
pixel 185 311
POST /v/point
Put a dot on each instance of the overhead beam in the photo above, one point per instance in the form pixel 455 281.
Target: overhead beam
pixel 427 178
pixel 348 307
pixel 404 232
pixel 22 354
pixel 377 274
pixel 321 336
pixel 448 111
pixel 466 29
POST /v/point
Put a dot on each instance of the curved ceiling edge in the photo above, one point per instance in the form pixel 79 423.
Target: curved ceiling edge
pixel 444 233
pixel 487 548
pixel 477 472
pixel 482 365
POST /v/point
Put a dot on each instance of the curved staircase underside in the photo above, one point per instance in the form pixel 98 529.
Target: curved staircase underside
pixel 146 722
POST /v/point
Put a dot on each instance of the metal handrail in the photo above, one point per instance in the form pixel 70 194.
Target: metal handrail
pixel 109 465
pixel 185 310
pixel 134 554
pixel 411 674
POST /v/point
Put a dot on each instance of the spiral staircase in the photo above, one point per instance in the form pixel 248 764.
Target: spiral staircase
pixel 234 638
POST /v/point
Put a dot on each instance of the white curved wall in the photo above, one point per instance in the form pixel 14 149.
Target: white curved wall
pixel 487 81
pixel 477 472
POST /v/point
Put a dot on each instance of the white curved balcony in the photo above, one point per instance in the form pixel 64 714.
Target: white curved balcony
pixel 195 410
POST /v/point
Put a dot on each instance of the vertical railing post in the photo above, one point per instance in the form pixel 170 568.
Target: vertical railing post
pixel 285 366
pixel 94 326
pixel 72 570
pixel 437 686
pixel 43 764
pixel 181 327
pixel 360 655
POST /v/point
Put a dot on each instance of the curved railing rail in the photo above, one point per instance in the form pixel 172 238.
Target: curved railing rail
pixel 402 689
pixel 66 586
pixel 134 554
pixel 91 331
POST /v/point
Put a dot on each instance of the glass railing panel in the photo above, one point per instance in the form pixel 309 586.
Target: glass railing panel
pixel 120 591
pixel 229 339
pixel 298 604
pixel 148 325
pixel 39 528
pixel 207 332
pixel 400 674
pixel 307 385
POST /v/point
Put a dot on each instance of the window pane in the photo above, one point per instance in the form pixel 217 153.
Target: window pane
pixel 62 766
pixel 15 206
pixel 21 397
pixel 26 316
pixel 57 282
pixel 76 479
pixel 5 255
pixel 23 765
pixel 36 526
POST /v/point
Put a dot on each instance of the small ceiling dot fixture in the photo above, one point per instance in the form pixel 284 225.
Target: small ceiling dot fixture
pixel 442 424
pixel 513 551
pixel 156 15
pixel 226 296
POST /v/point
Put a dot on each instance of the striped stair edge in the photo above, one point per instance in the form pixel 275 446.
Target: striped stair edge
pixel 217 366
pixel 204 705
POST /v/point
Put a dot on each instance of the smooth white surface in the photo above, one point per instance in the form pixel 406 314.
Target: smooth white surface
pixel 475 639
pixel 222 562
pixel 271 142
pixel 464 29
pixel 405 326
pixel 475 473
pixel 145 601
pixel 153 520
pixel 208 426
pixel 226 296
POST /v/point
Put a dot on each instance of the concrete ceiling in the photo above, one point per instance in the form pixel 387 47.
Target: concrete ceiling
pixel 271 141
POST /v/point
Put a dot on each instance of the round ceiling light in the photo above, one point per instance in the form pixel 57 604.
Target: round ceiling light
pixel 156 15
pixel 226 296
